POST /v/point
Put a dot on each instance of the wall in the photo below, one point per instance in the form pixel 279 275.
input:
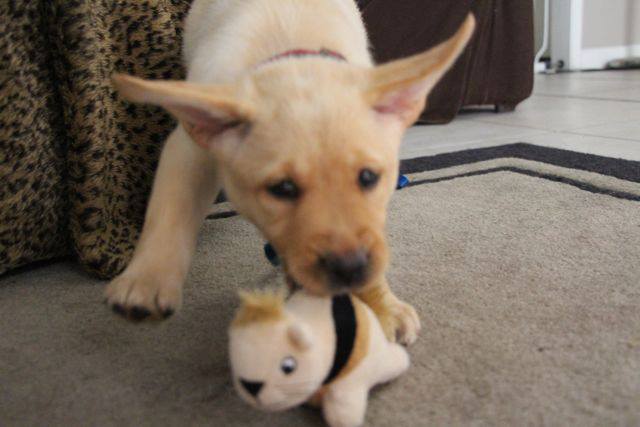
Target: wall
pixel 609 23
pixel 587 34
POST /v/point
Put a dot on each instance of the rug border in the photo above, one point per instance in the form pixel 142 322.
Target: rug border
pixel 551 177
pixel 627 170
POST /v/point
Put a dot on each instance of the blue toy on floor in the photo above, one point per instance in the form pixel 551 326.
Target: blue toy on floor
pixel 271 253
pixel 403 181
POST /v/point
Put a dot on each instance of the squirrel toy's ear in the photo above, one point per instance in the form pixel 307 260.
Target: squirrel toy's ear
pixel 259 306
pixel 300 336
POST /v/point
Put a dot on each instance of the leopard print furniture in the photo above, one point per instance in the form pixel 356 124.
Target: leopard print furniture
pixel 76 162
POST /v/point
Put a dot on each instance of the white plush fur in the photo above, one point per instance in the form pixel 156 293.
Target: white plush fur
pixel 258 349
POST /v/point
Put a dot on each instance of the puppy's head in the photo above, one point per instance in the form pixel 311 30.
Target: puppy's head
pixel 309 152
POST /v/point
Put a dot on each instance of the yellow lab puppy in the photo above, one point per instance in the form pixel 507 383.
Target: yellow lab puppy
pixel 284 109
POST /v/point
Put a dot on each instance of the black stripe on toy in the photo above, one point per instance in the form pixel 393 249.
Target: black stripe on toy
pixel 344 321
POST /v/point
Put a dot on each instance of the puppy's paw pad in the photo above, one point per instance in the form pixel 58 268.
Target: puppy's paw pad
pixel 139 313
pixel 138 298
pixel 400 322
pixel 118 309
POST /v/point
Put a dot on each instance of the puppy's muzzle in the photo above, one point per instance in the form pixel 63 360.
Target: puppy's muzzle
pixel 347 270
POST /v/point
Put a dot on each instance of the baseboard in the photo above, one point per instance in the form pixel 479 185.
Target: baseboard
pixel 539 67
pixel 597 58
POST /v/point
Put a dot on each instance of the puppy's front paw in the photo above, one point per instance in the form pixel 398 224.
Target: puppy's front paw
pixel 141 296
pixel 399 321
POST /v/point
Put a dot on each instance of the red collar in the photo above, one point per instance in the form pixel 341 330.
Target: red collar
pixel 300 53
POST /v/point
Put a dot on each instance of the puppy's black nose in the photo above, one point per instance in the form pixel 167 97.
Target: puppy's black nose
pixel 346 270
pixel 253 388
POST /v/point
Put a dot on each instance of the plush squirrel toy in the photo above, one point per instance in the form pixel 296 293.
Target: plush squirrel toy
pixel 326 351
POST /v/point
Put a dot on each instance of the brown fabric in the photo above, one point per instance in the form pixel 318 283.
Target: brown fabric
pixel 76 162
pixel 495 69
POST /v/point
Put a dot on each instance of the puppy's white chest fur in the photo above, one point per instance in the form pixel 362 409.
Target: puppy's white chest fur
pixel 224 38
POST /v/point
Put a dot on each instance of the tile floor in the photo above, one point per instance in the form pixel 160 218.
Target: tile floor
pixel 591 112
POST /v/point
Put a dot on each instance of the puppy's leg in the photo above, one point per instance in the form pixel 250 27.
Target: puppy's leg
pixel 185 186
pixel 399 320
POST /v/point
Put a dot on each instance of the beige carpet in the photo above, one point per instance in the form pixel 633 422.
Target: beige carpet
pixel 524 268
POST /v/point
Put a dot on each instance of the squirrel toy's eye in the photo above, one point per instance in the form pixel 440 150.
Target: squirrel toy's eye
pixel 367 179
pixel 285 190
pixel 288 365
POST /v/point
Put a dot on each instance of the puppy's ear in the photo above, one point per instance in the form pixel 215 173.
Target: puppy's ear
pixel 400 88
pixel 205 111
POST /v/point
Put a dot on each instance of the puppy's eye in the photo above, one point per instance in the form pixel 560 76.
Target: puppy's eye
pixel 285 189
pixel 288 365
pixel 367 179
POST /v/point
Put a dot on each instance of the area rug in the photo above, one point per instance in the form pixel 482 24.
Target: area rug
pixel 523 262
